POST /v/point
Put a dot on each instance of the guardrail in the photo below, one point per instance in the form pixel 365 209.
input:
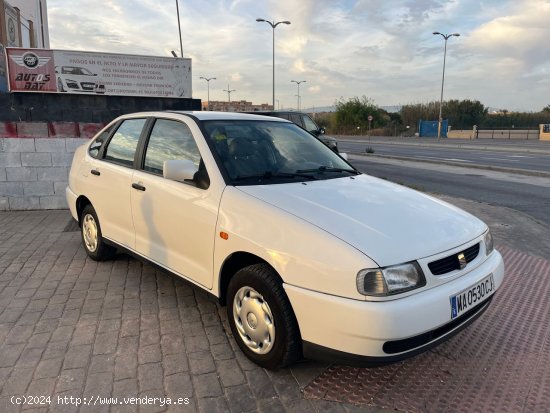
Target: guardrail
pixel 507 133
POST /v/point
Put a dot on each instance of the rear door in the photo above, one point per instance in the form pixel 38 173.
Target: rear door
pixel 110 182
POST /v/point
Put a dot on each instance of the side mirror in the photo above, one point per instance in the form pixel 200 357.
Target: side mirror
pixel 180 170
pixel 343 155
pixel 322 131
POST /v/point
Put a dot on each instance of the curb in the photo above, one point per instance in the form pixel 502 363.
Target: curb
pixel 470 165
pixel 512 148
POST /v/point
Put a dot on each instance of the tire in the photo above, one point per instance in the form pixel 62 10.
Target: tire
pixel 261 318
pixel 93 242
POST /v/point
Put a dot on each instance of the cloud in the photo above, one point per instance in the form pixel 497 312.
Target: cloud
pixel 384 50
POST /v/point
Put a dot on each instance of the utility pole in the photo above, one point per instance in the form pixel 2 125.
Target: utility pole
pixel 446 37
pixel 179 28
pixel 229 93
pixel 208 79
pixel 298 83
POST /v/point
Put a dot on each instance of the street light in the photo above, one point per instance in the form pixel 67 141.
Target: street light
pixel 446 37
pixel 229 93
pixel 298 83
pixel 179 28
pixel 273 24
pixel 208 79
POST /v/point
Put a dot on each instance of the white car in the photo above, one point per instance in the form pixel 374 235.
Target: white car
pixel 78 79
pixel 311 257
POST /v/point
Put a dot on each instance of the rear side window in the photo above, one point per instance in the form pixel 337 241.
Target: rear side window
pixel 123 144
pixel 169 140
pixel 295 118
pixel 98 142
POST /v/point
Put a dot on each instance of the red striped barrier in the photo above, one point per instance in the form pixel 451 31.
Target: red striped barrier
pixel 49 129
pixel 63 129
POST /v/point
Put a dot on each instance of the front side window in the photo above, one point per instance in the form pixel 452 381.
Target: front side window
pixel 266 152
pixel 123 144
pixel 169 140
pixel 309 125
pixel 98 142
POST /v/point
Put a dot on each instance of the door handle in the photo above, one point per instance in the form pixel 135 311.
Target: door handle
pixel 95 172
pixel 138 187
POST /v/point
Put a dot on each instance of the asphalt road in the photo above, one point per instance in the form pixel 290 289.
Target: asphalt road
pixel 533 200
pixel 530 161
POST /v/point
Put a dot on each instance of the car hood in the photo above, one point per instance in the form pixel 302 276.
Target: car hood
pixel 389 223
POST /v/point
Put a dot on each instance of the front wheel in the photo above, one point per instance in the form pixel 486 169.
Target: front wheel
pixel 94 244
pixel 261 317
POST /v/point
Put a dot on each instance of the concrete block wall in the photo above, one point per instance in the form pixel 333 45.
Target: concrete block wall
pixel 35 158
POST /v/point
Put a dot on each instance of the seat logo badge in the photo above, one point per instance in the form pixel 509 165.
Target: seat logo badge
pixel 462 261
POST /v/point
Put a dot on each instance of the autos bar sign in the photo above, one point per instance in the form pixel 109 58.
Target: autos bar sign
pixel 63 71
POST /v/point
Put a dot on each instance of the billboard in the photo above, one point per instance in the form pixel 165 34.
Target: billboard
pixel 64 71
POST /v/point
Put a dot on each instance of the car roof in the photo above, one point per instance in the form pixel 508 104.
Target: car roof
pixel 276 112
pixel 207 115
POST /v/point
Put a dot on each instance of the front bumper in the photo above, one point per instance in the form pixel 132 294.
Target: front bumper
pixel 361 328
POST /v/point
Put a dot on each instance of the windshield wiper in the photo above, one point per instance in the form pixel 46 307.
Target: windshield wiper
pixel 328 169
pixel 270 175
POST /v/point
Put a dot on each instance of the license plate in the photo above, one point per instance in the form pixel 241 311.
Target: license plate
pixel 471 296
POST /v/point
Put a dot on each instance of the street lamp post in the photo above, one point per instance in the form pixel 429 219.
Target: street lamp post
pixel 446 37
pixel 273 25
pixel 229 93
pixel 298 83
pixel 208 79
pixel 179 28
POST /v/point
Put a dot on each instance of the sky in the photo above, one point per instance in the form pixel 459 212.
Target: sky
pixel 381 49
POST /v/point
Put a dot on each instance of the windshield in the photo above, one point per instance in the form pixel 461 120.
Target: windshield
pixel 265 152
pixel 76 71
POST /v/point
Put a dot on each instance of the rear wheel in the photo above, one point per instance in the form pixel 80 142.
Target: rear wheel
pixel 95 246
pixel 261 317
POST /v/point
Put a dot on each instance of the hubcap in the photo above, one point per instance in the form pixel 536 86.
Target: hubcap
pixel 89 232
pixel 254 320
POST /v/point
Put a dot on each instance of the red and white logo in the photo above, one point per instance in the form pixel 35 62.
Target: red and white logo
pixel 30 60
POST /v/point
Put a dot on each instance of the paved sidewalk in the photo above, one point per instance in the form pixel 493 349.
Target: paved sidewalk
pixel 72 327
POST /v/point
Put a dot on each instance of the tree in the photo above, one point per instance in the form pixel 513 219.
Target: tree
pixel 461 114
pixel 355 112
pixel 546 109
pixel 464 114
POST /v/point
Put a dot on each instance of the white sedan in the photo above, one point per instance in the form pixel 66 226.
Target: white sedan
pixel 311 257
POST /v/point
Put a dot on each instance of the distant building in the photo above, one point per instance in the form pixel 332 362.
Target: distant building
pixel 235 106
pixel 24 23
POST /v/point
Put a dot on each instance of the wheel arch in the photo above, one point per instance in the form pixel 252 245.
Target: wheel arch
pixel 234 263
pixel 81 203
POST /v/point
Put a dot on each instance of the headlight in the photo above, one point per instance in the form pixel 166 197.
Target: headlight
pixel 488 240
pixel 390 280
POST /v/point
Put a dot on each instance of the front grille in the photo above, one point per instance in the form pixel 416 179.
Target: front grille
pixel 87 85
pixel 451 263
